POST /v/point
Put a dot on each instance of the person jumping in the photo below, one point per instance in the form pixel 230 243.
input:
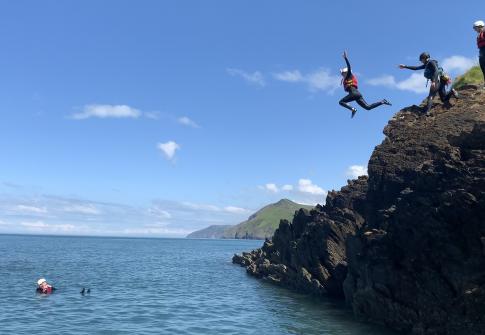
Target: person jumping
pixel 439 80
pixel 349 82
pixel 479 28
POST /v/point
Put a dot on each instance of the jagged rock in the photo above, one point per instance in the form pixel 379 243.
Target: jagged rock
pixel 405 246
pixel 426 204
pixel 312 247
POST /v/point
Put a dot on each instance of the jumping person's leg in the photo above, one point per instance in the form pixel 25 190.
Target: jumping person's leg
pixel 366 106
pixel 345 100
pixel 352 96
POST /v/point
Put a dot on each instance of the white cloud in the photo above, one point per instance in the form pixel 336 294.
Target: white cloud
pixel 159 213
pixel 204 207
pixel 176 232
pixel 287 187
pixel 82 209
pixel 289 76
pixel 107 111
pixel 34 224
pixel 458 64
pixel 415 83
pixel 320 80
pixel 168 149
pixel 187 122
pixel 271 188
pixel 306 186
pixel 355 171
pixel 152 115
pixel 30 209
pixel 236 210
pixel 255 78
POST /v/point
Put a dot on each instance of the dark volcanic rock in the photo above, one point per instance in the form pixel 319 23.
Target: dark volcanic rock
pixel 418 263
pixel 407 245
pixel 309 253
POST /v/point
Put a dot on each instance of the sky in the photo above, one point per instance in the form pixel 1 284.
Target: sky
pixel 158 118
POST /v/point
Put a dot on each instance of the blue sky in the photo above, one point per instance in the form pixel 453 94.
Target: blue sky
pixel 157 118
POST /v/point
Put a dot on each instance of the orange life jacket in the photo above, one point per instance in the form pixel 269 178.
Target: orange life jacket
pixel 348 83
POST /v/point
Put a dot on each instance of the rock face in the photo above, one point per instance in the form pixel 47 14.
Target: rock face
pixel 309 254
pixel 405 246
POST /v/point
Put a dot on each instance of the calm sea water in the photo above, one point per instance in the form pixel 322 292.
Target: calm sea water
pixel 151 286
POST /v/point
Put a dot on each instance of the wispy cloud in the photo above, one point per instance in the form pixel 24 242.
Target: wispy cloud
pixel 306 186
pixel 458 64
pixel 255 78
pixel 168 149
pixel 26 209
pixel 415 83
pixel 304 192
pixel 85 217
pixel 107 111
pixel 320 80
pixel 355 171
pixel 184 120
pixel 271 188
pixel 82 209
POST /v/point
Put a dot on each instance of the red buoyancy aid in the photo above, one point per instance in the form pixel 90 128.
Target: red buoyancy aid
pixel 481 40
pixel 352 82
pixel 47 290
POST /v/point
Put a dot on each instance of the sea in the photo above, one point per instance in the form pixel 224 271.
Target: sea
pixel 152 286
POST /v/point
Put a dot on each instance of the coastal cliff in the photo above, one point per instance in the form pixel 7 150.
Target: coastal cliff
pixel 404 246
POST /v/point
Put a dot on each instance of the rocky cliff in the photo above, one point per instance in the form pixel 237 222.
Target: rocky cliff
pixel 406 246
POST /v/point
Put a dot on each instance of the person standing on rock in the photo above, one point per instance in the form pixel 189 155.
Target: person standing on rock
pixel 479 28
pixel 439 80
pixel 349 82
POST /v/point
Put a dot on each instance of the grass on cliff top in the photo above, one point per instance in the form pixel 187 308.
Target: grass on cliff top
pixel 474 76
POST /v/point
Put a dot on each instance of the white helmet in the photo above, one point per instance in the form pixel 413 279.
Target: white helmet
pixel 479 23
pixel 40 281
pixel 344 70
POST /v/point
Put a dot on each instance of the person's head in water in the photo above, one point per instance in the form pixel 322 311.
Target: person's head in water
pixel 344 72
pixel 478 26
pixel 424 57
pixel 43 286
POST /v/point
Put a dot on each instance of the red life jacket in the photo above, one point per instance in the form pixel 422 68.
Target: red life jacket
pixel 348 83
pixel 481 40
pixel 47 290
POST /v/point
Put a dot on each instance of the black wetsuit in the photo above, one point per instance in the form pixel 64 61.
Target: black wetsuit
pixel 432 73
pixel 481 59
pixel 354 94
pixel 481 55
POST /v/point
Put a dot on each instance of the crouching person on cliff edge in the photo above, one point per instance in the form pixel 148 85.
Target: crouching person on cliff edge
pixel 43 287
pixel 479 28
pixel 439 80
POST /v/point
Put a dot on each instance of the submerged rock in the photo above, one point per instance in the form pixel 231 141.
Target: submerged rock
pixel 405 246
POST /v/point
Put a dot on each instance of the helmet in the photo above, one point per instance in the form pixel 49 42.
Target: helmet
pixel 424 55
pixel 40 281
pixel 479 23
pixel 344 70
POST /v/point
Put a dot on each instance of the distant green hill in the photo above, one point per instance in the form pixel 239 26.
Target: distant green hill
pixel 215 231
pixel 473 76
pixel 260 225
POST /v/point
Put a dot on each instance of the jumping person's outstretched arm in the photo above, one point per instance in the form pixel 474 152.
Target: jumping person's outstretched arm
pixel 414 68
pixel 349 69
